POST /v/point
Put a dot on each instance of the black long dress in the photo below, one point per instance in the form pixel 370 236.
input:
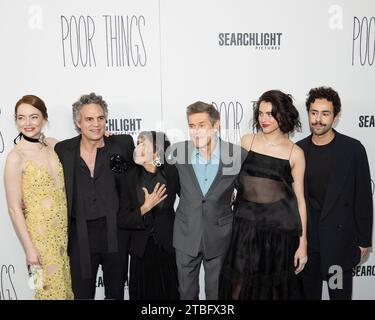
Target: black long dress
pixel 153 270
pixel 267 225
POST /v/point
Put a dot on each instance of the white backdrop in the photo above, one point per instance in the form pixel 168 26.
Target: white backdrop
pixel 151 58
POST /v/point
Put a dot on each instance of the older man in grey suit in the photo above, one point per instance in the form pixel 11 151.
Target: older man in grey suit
pixel 207 168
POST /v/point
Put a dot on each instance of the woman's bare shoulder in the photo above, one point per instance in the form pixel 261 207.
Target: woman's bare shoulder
pixel 246 140
pixel 51 141
pixel 14 157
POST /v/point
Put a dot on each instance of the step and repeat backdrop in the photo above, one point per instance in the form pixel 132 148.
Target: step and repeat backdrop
pixel 150 59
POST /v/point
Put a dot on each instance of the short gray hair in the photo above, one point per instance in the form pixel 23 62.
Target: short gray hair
pixel 87 99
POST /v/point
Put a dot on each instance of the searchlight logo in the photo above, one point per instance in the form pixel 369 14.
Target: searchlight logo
pixel 258 40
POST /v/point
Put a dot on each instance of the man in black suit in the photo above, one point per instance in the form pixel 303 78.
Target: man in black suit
pixel 92 166
pixel 338 197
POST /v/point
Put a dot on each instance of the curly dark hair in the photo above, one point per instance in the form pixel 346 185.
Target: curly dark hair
pixel 283 110
pixel 324 93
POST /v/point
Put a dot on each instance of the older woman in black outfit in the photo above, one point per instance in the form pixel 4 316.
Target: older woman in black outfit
pixel 148 193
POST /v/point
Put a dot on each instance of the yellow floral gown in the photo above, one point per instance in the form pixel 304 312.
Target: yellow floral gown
pixel 46 219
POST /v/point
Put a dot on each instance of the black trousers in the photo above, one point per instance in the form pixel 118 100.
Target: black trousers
pixel 312 281
pixel 114 267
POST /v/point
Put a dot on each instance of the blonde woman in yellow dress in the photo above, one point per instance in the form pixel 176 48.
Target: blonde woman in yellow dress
pixel 35 192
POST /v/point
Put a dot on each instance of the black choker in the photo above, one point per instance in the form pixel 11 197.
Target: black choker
pixel 21 135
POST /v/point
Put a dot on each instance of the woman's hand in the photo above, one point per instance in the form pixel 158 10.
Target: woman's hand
pixel 33 257
pixel 154 198
pixel 300 257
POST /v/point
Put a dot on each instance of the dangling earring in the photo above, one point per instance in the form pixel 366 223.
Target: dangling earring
pixel 156 162
pixel 42 139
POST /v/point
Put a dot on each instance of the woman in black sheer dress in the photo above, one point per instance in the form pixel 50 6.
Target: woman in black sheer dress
pixel 268 246
pixel 148 193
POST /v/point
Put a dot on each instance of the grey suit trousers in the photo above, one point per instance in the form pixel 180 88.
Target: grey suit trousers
pixel 188 275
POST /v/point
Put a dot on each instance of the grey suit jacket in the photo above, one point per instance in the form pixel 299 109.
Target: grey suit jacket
pixel 205 220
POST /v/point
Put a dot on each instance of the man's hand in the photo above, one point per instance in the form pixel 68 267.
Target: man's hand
pixel 364 251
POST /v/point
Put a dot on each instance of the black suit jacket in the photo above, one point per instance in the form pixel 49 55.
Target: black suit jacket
pixel 67 152
pixel 130 215
pixel 346 218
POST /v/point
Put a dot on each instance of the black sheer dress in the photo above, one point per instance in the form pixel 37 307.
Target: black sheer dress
pixel 267 225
